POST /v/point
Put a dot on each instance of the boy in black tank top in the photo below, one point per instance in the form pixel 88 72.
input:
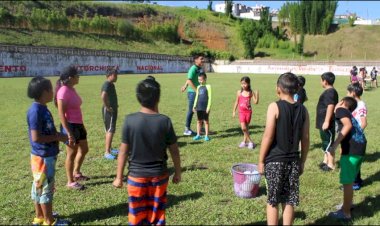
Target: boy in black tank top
pixel 280 160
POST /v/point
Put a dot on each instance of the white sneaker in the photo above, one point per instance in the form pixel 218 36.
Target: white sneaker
pixel 188 132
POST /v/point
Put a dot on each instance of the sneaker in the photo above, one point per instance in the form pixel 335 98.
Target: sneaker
pixel 339 215
pixel 109 156
pixel 251 145
pixel 356 187
pixel 61 222
pixel 207 138
pixel 242 145
pixel 339 207
pixel 37 221
pixel 80 177
pixel 326 168
pixel 75 186
pixel 321 165
pixel 197 137
pixel 114 151
pixel 188 132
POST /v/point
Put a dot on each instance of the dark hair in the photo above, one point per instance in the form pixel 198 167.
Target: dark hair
pixel 329 77
pixel 202 74
pixel 350 102
pixel 112 71
pixel 288 83
pixel 197 55
pixel 148 92
pixel 64 77
pixel 301 80
pixel 37 86
pixel 247 80
pixel 356 89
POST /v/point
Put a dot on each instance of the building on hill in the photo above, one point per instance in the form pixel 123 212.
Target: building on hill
pixel 248 12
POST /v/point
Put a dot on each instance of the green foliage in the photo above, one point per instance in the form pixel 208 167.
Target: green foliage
pixel 167 31
pixel 228 9
pixel 209 5
pixel 299 46
pixel 6 19
pixel 268 41
pixel 351 20
pixel 100 24
pixel 249 33
pixel 125 28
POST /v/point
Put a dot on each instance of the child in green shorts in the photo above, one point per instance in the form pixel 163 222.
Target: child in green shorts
pixel 353 144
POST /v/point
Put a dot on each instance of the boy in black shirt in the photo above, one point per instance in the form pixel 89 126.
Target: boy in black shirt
pixel 145 137
pixel 325 119
pixel 109 111
pixel 353 143
pixel 280 160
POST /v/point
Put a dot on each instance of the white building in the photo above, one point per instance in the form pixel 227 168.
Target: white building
pixel 243 11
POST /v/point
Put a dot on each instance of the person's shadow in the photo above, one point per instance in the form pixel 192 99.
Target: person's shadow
pixel 121 209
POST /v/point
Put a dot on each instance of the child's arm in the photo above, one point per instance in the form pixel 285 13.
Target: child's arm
pixel 121 159
pixel 270 128
pixel 236 103
pixel 255 96
pixel 196 99
pixel 174 153
pixel 209 98
pixel 61 112
pixel 363 120
pixel 105 100
pixel 347 126
pixel 329 114
pixel 37 137
pixel 305 142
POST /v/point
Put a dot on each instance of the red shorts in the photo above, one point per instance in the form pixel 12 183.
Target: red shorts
pixel 245 116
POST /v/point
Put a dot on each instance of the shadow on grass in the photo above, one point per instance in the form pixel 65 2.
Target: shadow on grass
pixel 189 168
pixel 367 208
pixel 298 215
pixel 121 209
pixel 373 157
pixel 317 146
pixel 372 178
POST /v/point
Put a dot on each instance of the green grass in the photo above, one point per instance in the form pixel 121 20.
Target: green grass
pixel 205 196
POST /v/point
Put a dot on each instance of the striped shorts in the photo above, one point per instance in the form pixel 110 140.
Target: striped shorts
pixel 109 119
pixel 147 200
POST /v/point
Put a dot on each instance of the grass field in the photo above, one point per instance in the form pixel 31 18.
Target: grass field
pixel 205 195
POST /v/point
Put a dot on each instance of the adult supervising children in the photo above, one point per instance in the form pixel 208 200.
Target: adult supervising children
pixel 191 85
pixel 109 111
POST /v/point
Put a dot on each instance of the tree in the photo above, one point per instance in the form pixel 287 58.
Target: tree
pixel 228 9
pixel 209 6
pixel 249 33
pixel 351 20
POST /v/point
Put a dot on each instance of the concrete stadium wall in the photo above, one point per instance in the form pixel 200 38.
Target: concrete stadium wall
pixel 297 67
pixel 18 61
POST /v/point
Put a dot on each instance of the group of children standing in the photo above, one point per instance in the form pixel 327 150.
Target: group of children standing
pixel 280 159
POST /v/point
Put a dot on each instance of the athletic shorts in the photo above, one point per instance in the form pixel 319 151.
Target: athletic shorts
pixel 349 168
pixel 327 137
pixel 147 200
pixel 78 130
pixel 282 180
pixel 245 117
pixel 109 119
pixel 202 115
pixel 43 170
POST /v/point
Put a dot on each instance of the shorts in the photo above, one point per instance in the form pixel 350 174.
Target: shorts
pixel 147 200
pixel 327 137
pixel 78 130
pixel 43 170
pixel 202 115
pixel 109 119
pixel 245 117
pixel 282 182
pixel 373 79
pixel 349 168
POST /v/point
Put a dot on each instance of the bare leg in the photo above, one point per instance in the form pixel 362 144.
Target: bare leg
pixel 69 163
pixel 287 215
pixel 348 195
pixel 109 137
pixel 39 213
pixel 206 127
pixel 47 209
pixel 325 158
pixel 245 132
pixel 199 126
pixel 82 151
pixel 331 160
pixel 272 215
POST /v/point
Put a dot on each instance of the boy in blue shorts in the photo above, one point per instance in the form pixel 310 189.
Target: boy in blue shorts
pixel 109 111
pixel 146 136
pixel 202 106
pixel 353 143
pixel 280 159
pixel 43 138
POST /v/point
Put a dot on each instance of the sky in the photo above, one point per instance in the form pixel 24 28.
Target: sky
pixel 363 9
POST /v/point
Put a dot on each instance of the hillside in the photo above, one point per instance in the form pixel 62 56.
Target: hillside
pixel 194 30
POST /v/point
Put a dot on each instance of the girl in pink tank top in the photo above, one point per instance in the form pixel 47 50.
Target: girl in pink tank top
pixel 243 100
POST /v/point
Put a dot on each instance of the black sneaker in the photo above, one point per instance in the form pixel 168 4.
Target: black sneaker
pixel 321 165
pixel 326 168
